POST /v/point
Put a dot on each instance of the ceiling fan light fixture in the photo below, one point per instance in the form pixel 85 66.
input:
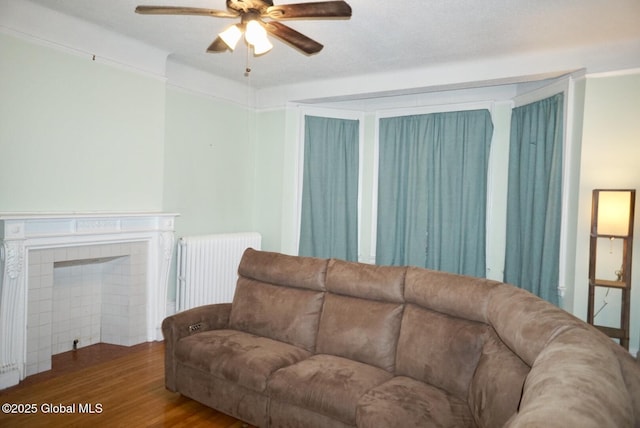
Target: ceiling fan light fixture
pixel 255 34
pixel 231 35
pixel 262 47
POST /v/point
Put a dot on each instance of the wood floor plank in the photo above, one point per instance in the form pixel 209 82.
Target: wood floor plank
pixel 126 391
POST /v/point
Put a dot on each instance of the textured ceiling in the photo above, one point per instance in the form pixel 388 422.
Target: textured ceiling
pixel 381 36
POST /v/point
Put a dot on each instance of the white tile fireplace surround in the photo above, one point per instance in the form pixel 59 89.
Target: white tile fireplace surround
pixel 85 277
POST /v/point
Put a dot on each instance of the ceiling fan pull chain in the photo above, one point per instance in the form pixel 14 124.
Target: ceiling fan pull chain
pixel 247 69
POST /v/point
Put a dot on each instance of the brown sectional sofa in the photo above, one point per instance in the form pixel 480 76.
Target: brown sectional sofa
pixel 327 343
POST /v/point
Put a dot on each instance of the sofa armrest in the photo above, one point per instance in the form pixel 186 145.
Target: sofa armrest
pixel 575 382
pixel 183 324
pixel 202 318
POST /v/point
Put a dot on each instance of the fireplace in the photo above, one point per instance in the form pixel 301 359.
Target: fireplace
pixel 71 280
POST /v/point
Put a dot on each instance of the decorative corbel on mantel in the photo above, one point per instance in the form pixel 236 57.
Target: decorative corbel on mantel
pixel 12 299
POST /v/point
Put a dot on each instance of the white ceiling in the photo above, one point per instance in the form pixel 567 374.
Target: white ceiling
pixel 380 37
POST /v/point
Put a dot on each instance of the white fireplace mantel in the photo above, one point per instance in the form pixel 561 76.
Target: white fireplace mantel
pixel 22 232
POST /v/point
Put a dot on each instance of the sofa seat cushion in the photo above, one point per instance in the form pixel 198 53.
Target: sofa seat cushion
pixel 406 402
pixel 326 384
pixel 236 356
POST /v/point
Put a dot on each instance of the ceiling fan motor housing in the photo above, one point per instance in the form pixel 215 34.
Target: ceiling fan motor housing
pixel 244 6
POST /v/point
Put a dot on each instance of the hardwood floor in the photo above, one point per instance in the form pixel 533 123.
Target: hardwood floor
pixel 106 385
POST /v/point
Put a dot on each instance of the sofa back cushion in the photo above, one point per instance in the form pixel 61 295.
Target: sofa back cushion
pixel 359 329
pixel 281 313
pixel 456 295
pixel 497 384
pixel 384 283
pixel 538 321
pixel 282 269
pixel 439 349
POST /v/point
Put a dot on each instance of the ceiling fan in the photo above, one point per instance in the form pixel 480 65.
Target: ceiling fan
pixel 254 28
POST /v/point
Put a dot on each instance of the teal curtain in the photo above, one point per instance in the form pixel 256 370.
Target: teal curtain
pixel 329 222
pixel 534 204
pixel 432 191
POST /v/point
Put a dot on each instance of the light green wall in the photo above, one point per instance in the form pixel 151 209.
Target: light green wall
pixel 269 178
pixel 77 135
pixel 209 164
pixel 610 159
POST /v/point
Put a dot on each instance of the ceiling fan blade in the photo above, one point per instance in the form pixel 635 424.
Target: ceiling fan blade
pixel 292 37
pixel 177 10
pixel 322 9
pixel 218 45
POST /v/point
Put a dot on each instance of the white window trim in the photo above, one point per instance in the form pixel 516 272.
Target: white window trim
pixel 566 86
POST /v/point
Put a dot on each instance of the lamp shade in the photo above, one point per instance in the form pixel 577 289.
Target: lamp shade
pixel 614 208
pixel 255 34
pixel 231 36
pixel 262 47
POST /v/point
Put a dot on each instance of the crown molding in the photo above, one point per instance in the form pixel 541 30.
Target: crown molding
pixel 43 26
